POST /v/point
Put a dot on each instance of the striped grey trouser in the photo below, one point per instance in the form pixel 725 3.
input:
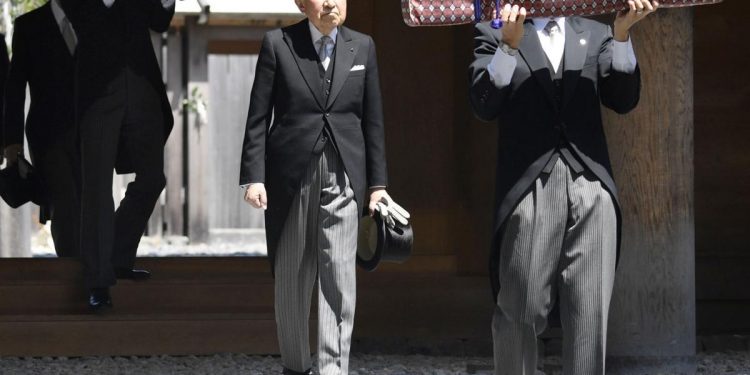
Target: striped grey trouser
pixel 559 240
pixel 318 241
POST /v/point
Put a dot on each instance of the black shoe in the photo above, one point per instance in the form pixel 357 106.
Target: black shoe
pixel 292 372
pixel 99 299
pixel 136 275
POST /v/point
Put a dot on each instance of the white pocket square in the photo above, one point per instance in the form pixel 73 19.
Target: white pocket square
pixel 357 68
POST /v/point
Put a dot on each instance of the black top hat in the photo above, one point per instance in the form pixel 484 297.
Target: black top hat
pixel 381 242
pixel 19 183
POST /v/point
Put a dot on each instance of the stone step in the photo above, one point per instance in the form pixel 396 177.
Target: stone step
pixel 213 305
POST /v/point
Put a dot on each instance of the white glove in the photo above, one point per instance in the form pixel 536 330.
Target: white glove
pixel 391 213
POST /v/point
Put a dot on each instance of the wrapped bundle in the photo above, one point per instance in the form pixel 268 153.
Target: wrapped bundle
pixel 458 12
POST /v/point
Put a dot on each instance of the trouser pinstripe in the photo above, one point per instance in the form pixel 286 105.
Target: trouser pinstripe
pixel 318 241
pixel 559 241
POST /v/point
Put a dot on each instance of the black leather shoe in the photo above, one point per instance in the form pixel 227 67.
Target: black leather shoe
pixel 99 299
pixel 292 372
pixel 137 275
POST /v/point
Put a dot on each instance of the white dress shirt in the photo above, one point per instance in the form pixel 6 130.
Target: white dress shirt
pixel 165 3
pixel 502 65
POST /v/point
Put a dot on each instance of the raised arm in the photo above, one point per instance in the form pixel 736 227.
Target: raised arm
pixel 495 61
pixel 620 78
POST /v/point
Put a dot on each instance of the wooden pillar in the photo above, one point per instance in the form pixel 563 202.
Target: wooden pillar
pixel 197 142
pixel 174 153
pixel 652 316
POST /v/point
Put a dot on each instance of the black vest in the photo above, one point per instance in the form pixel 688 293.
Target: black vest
pixel 563 150
pixel 326 82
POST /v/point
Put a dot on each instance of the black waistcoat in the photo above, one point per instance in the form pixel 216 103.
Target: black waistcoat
pixel 563 150
pixel 326 83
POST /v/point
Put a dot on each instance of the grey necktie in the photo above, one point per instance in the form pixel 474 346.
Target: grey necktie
pixel 69 35
pixel 325 57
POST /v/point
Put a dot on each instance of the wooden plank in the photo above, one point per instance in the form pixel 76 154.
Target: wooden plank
pixel 198 142
pixel 231 78
pixel 34 271
pixel 227 303
pixel 138 337
pixel 174 209
pixel 234 47
pixel 728 317
pixel 722 163
pixel 722 277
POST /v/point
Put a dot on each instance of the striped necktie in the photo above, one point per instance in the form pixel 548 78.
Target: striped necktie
pixel 323 53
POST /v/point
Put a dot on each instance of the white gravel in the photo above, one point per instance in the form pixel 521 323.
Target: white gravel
pixel 734 363
pixel 227 364
pixel 171 246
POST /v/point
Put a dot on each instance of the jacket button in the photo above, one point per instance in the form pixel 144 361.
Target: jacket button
pixel 328 115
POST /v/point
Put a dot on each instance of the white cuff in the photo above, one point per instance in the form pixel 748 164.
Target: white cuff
pixel 501 68
pixel 623 58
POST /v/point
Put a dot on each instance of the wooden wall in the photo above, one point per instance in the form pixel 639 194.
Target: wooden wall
pixel 440 161
pixel 722 167
pixel 441 164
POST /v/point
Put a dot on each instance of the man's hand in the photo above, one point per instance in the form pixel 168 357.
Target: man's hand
pixel 256 196
pixel 639 9
pixel 375 196
pixel 11 153
pixel 513 19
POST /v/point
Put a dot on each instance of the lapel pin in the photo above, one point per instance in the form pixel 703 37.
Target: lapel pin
pixel 351 49
pixel 583 42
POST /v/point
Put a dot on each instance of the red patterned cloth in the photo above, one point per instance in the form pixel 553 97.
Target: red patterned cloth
pixel 458 12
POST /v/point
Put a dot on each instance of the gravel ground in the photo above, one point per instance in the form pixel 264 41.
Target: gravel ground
pixel 173 246
pixel 734 363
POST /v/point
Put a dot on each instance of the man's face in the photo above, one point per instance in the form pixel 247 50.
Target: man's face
pixel 324 14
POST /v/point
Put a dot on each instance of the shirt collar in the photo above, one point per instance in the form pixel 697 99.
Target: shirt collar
pixel 57 11
pixel 316 34
pixel 541 22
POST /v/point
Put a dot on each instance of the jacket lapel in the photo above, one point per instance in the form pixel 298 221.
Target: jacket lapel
pixel 532 52
pixel 576 49
pixel 55 43
pixel 299 40
pixel 342 64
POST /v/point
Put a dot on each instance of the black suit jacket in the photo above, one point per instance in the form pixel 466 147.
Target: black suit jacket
pixel 4 62
pixel 531 124
pixel 288 113
pixel 112 41
pixel 41 59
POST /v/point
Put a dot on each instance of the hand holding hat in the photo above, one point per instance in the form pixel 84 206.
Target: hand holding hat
pixel 384 236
